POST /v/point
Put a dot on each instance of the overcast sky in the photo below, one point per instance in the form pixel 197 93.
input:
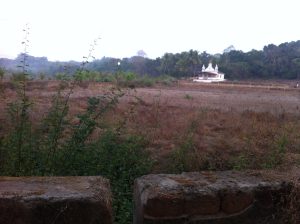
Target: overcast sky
pixel 64 29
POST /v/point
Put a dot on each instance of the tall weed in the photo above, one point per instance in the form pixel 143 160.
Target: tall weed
pixel 63 145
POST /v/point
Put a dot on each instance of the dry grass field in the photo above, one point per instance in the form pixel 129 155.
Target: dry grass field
pixel 191 126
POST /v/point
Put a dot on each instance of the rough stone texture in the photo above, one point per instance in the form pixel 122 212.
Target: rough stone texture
pixel 55 200
pixel 209 197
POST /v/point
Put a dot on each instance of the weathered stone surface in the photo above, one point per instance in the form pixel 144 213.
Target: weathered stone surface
pixel 237 201
pixel 208 197
pixel 59 200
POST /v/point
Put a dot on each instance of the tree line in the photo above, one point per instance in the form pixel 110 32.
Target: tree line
pixel 273 62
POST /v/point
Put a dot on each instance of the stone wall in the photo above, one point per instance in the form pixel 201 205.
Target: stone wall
pixel 189 198
pixel 209 198
pixel 59 200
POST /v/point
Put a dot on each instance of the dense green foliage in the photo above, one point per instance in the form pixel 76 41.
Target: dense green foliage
pixel 1 73
pixel 280 62
pixel 120 78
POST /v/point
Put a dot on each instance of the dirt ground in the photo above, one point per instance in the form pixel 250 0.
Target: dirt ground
pixel 182 95
pixel 227 98
pixel 224 125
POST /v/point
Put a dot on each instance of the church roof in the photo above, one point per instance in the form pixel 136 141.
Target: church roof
pixel 211 69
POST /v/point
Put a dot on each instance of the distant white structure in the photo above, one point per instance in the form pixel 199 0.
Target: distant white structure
pixel 210 74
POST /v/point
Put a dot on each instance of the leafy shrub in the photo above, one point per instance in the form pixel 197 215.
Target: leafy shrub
pixel 277 153
pixel 188 97
pixel 131 80
pixel 62 76
pixel 121 159
pixel 166 80
pixel 2 72
pixel 240 162
pixel 121 79
pixel 181 157
pixel 58 147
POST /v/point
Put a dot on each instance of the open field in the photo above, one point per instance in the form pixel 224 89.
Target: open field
pixel 192 126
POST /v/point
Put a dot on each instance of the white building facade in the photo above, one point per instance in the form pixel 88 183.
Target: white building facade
pixel 210 74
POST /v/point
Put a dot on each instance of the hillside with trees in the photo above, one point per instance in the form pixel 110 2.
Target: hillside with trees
pixel 273 62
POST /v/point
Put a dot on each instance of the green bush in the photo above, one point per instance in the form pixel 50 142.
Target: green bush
pixel 121 160
pixel 276 156
pixel 241 162
pixel 58 147
pixel 2 72
pixel 62 76
pixel 121 79
pixel 131 80
pixel 183 157
pixel 166 80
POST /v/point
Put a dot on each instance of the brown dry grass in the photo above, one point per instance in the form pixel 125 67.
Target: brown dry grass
pixel 229 126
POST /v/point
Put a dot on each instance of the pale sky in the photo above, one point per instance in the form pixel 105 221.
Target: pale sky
pixel 64 29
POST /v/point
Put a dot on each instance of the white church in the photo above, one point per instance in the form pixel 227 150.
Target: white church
pixel 210 74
